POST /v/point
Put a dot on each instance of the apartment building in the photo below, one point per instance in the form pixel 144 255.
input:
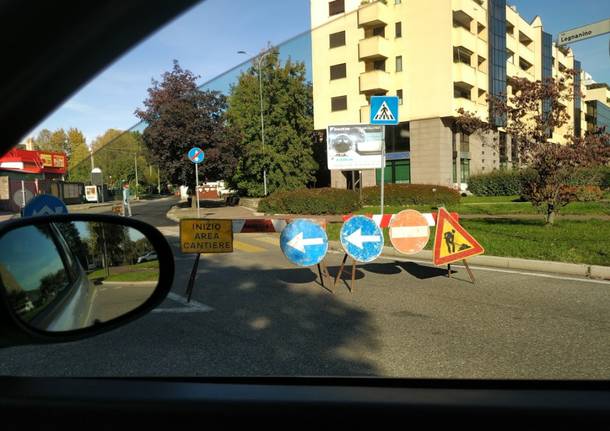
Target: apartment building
pixel 597 100
pixel 436 56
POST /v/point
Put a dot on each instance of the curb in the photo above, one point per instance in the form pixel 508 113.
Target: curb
pixel 582 270
pixel 171 216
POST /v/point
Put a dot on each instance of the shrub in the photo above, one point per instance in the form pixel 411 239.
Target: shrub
pixel 311 201
pixel 411 194
pixel 496 183
pixel 586 193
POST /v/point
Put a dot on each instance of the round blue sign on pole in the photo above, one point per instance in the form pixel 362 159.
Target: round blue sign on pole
pixel 304 242
pixel 196 155
pixel 362 239
pixel 42 205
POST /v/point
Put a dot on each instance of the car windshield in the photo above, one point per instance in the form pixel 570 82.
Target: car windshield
pixel 394 188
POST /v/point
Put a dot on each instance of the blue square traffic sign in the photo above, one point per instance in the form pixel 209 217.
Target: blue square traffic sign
pixel 384 110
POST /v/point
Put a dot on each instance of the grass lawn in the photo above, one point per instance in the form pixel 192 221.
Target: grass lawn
pixel 146 271
pixel 566 241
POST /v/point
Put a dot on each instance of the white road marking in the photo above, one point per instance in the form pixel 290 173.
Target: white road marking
pixel 189 307
pixel 484 268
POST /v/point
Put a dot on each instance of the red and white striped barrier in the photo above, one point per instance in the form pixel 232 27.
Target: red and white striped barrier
pixel 383 220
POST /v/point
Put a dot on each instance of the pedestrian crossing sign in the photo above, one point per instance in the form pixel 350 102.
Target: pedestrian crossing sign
pixel 384 110
pixel 452 242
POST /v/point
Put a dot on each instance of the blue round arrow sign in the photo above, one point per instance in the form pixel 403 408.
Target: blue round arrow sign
pixel 42 205
pixel 304 242
pixel 196 155
pixel 362 239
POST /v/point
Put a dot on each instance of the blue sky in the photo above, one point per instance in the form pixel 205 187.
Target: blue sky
pixel 206 39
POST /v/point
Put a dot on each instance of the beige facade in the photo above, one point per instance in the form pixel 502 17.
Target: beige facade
pixel 435 55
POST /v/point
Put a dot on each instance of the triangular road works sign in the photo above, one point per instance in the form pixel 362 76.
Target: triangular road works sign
pixel 384 113
pixel 452 242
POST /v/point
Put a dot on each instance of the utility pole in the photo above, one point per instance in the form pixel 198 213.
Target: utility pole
pixel 135 159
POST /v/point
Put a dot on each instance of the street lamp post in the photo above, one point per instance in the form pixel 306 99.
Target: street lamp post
pixel 260 93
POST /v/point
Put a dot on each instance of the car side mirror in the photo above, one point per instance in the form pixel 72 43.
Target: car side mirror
pixel 67 277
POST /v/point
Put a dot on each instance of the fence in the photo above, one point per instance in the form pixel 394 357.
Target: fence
pixel 15 194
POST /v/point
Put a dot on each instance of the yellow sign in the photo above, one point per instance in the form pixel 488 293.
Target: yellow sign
pixel 47 159
pixel 206 236
pixel 452 242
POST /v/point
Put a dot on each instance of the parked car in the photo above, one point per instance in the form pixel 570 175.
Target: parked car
pixel 151 255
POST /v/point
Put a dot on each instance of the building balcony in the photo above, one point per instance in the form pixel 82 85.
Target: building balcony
pixel 512 44
pixel 374 14
pixel 462 37
pixel 365 114
pixel 471 8
pixel 374 48
pixel 375 81
pixel 527 54
pixel 470 75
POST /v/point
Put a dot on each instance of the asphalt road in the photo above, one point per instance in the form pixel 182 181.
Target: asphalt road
pixel 254 313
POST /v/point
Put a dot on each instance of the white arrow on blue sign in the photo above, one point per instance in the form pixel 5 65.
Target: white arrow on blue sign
pixel 362 239
pixel 196 155
pixel 304 242
pixel 43 205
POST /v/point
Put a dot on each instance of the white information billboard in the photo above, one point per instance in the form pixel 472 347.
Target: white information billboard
pixel 355 147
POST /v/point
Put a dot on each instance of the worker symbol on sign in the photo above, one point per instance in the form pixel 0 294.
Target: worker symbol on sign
pixel 452 242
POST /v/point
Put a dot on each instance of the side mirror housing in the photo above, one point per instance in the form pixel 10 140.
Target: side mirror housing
pixel 73 276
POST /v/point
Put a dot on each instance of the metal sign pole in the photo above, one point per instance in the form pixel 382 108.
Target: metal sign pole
pixel 197 188
pixel 382 166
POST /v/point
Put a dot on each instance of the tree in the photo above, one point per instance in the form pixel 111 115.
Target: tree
pixel 79 152
pixel 180 117
pixel 534 111
pixel 43 140
pixel 288 118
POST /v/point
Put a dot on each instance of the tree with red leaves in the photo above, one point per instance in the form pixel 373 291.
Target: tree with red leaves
pixel 531 113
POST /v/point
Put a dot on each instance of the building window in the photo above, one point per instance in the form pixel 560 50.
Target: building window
pixel 399 63
pixel 399 94
pixel 338 103
pixel 497 58
pixel 379 65
pixel 396 1
pixel 398 29
pixel 336 7
pixel 461 90
pixel 379 31
pixel 336 39
pixel 338 71
pixel 503 150
pixel 462 55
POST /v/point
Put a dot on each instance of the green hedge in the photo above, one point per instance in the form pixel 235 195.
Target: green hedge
pixel 509 182
pixel 496 183
pixel 411 194
pixel 311 201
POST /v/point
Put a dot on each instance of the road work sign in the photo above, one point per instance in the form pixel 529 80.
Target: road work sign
pixel 384 110
pixel 362 239
pixel 452 242
pixel 409 231
pixel 304 242
pixel 206 236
